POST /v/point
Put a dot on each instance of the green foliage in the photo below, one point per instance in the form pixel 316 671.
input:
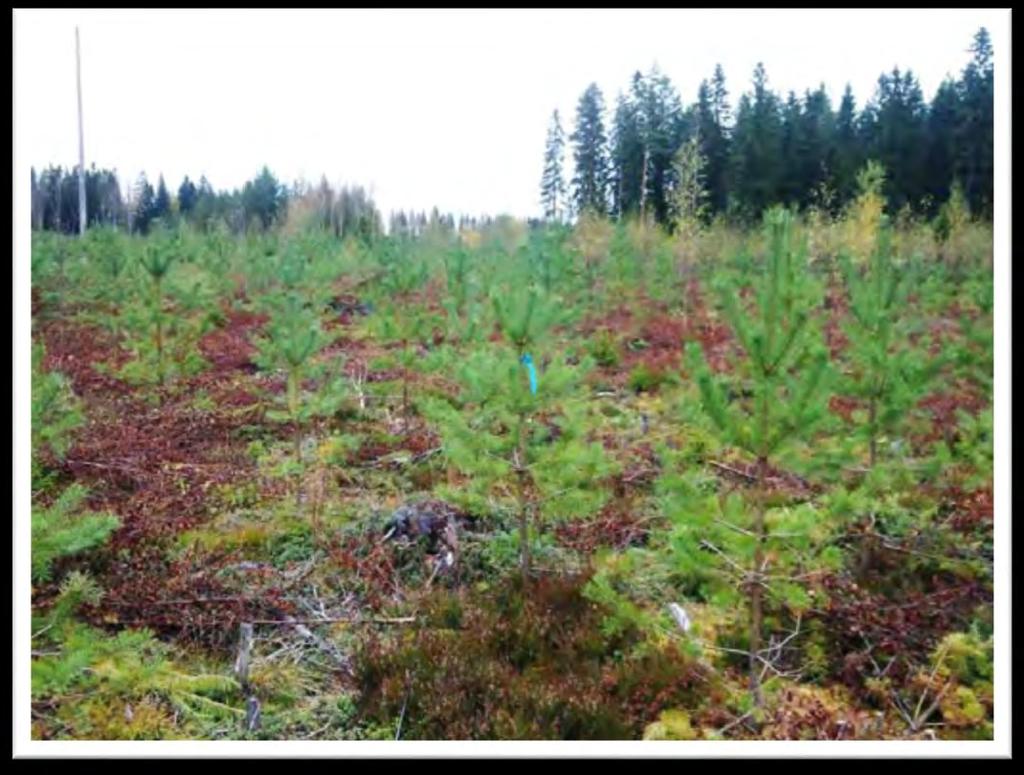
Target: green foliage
pixel 514 443
pixel 728 541
pixel 887 373
pixel 644 379
pixel 62 530
pixel 671 725
pixel 604 349
pixel 525 315
pixel 56 413
pixel 292 336
pixel 130 668
pixel 786 364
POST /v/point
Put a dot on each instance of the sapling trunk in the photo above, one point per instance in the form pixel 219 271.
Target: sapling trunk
pixel 405 381
pixel 756 612
pixel 524 506
pixel 158 311
pixel 293 409
pixel 873 440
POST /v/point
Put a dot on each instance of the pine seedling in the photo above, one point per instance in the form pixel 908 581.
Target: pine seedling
pixel 524 315
pixel 781 399
pixel 518 431
pixel 56 412
pixel 974 357
pixel 520 443
pixel 293 336
pixel 63 530
pixel 105 250
pixel 886 372
pixel 157 260
pixel 459 281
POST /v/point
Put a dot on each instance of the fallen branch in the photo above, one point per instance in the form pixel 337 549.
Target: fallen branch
pixel 338 620
pixel 731 470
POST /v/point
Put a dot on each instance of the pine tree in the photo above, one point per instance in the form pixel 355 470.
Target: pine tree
pixel 518 426
pixel 552 185
pixel 786 366
pixel 263 199
pixel 590 154
pixel 56 413
pixel 292 339
pixel 886 372
pixel 157 259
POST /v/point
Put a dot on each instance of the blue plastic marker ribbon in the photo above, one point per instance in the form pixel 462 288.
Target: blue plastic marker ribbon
pixel 527 361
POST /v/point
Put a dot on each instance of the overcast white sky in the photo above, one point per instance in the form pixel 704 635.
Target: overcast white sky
pixel 446 108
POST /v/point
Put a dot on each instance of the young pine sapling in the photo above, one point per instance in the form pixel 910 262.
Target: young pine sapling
pixel 886 372
pixel 783 369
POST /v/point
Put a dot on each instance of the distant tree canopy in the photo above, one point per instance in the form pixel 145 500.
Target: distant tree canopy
pixel 262 203
pixel 55 199
pixel 797 151
pixel 776 150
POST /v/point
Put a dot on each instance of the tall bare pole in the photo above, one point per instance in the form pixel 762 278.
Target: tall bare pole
pixel 81 140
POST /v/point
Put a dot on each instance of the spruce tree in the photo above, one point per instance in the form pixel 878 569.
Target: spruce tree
pixel 815 142
pixel 790 189
pixel 895 135
pixel 942 147
pixel 144 205
pixel 552 185
pixel 717 142
pixel 784 376
pixel 590 154
pixel 708 117
pixel 627 157
pixel 662 128
pixel 162 202
pixel 755 161
pixel 974 164
pixel 187 194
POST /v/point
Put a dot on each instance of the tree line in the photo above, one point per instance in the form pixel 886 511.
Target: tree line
pixel 262 203
pixel 796 151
